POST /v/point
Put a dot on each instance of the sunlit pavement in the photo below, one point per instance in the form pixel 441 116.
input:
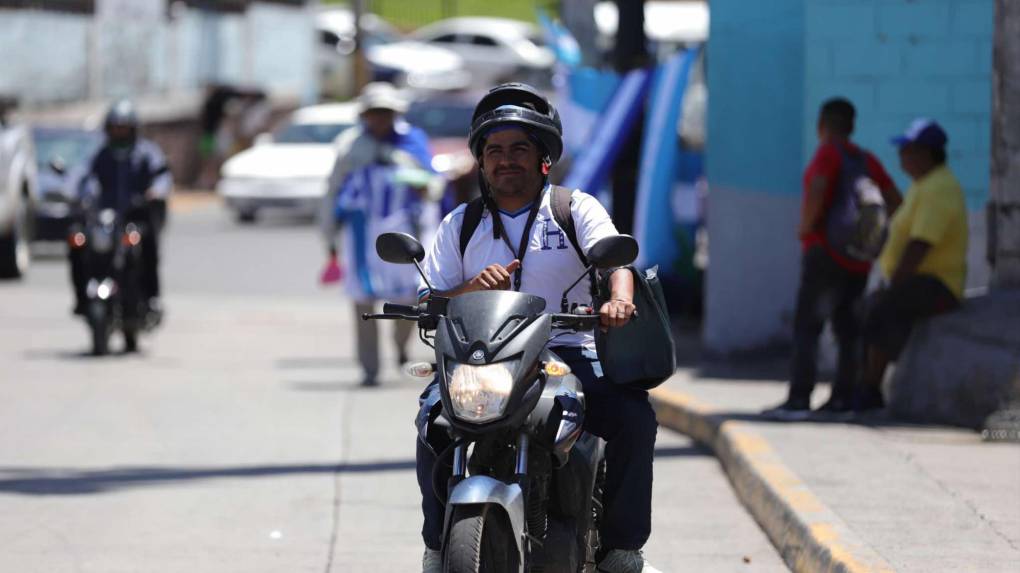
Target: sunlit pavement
pixel 238 440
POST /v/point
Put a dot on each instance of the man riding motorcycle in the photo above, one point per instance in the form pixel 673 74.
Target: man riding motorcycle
pixel 516 137
pixel 124 171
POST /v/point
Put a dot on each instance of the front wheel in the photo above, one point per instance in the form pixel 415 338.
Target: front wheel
pixel 481 541
pixel 14 250
pixel 99 323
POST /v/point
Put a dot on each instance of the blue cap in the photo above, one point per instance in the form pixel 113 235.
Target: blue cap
pixel 923 131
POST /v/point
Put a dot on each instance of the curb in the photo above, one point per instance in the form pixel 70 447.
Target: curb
pixel 810 537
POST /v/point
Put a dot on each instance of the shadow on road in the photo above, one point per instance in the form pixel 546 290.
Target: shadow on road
pixel 48 354
pixel 42 482
pixel 37 481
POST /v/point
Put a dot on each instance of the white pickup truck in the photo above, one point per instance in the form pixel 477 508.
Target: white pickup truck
pixel 17 191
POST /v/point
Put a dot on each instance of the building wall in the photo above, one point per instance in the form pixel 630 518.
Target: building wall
pixel 896 60
pixel 53 57
pixel 44 55
pixel 753 160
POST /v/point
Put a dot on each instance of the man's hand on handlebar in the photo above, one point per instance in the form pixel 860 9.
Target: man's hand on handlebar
pixel 616 313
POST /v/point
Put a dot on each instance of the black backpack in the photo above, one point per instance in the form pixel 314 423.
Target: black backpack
pixel 639 355
pixel 856 222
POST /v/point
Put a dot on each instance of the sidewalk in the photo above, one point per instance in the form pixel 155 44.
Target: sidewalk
pixel 854 497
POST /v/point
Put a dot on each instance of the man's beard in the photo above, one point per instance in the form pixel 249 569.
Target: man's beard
pixel 520 184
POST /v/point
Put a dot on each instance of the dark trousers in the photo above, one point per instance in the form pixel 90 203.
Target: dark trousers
pixel 827 292
pixel 622 417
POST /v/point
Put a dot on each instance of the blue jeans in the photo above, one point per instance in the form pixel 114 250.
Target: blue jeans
pixel 621 416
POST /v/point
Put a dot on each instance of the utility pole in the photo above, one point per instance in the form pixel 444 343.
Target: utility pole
pixel 360 65
pixel 629 53
pixel 1004 208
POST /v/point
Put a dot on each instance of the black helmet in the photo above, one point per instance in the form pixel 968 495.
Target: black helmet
pixel 122 113
pixel 519 104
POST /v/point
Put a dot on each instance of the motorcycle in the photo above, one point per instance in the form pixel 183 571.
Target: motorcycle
pixel 110 245
pixel 525 491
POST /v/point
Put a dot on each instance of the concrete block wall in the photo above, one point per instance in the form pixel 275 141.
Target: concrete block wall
pixel 901 59
pixel 755 65
pixel 770 66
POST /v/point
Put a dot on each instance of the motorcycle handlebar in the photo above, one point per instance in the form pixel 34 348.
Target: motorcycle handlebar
pixel 575 321
pixel 391 308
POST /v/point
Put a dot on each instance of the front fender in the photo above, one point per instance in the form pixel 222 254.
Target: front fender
pixel 477 490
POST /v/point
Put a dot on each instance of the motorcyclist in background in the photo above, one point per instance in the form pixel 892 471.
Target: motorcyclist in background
pixel 124 167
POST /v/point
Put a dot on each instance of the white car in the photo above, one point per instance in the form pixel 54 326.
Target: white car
pixel 494 49
pixel 18 182
pixel 288 168
pixel 389 56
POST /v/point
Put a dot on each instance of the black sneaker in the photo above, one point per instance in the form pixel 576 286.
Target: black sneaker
pixel 792 410
pixel 869 399
pixel 836 408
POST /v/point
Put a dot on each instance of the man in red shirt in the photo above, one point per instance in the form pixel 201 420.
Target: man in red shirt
pixel 830 283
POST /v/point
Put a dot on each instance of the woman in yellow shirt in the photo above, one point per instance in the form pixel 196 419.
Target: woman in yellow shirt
pixel 924 259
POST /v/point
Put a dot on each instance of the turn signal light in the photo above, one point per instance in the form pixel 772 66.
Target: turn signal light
pixel 421 369
pixel 77 240
pixel 555 368
pixel 132 238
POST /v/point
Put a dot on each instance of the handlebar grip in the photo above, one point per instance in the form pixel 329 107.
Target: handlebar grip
pixel 390 308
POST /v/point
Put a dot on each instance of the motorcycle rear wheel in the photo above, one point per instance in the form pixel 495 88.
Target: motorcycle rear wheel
pixel 481 541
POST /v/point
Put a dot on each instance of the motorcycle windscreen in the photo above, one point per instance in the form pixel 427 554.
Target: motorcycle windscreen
pixel 492 317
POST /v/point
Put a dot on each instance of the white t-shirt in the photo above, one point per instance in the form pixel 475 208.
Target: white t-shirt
pixel 550 265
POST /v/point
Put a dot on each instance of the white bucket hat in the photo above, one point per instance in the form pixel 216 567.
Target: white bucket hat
pixel 381 95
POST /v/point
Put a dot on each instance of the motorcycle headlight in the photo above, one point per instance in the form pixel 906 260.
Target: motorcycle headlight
pixel 480 393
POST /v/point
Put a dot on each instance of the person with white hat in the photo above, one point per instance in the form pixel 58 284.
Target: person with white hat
pixel 378 184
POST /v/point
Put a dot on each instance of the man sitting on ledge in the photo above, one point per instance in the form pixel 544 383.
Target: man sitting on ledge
pixel 924 260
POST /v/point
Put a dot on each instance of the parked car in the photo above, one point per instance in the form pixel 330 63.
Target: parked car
pixel 60 156
pixel 389 56
pixel 446 119
pixel 18 183
pixel 289 167
pixel 494 49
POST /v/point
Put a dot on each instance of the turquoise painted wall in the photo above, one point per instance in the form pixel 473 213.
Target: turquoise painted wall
pixel 900 59
pixel 770 65
pixel 755 77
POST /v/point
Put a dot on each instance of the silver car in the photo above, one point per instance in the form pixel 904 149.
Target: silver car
pixel 17 189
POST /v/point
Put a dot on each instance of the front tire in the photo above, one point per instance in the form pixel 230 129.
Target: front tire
pixel 247 216
pixel 14 250
pixel 481 541
pixel 99 323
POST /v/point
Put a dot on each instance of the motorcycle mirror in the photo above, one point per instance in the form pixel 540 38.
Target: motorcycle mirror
pixel 615 251
pixel 606 253
pixel 399 248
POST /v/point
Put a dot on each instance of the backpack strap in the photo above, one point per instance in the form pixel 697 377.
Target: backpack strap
pixel 560 203
pixel 472 217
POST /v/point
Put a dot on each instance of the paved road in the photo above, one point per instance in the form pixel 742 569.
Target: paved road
pixel 238 440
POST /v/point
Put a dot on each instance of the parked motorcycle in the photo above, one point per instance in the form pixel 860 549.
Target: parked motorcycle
pixel 525 494
pixel 111 245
